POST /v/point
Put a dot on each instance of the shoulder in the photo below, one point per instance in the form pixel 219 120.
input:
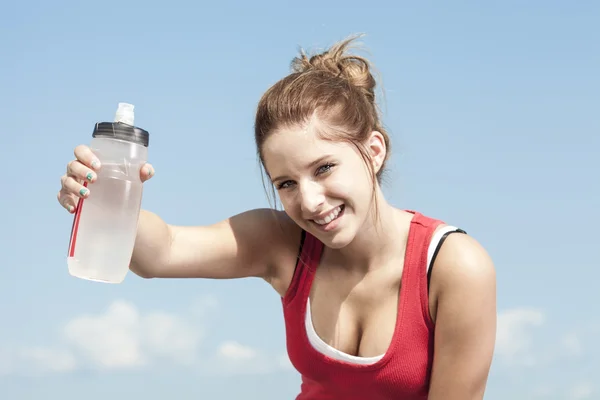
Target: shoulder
pixel 460 259
pixel 463 283
pixel 463 263
pixel 277 231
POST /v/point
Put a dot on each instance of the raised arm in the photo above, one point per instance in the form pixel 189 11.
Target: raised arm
pixel 258 243
pixel 249 244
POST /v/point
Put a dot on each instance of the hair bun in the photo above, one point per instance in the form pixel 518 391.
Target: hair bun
pixel 336 61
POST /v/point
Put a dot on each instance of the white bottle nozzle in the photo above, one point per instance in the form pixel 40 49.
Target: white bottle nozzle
pixel 125 114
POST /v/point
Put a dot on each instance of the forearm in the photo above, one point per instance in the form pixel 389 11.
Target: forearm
pixel 240 246
pixel 152 245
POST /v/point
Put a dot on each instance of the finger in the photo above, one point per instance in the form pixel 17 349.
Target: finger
pixel 146 172
pixel 85 155
pixel 68 201
pixel 71 186
pixel 80 172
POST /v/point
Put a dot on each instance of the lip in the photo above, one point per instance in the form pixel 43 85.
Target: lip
pixel 323 215
pixel 333 224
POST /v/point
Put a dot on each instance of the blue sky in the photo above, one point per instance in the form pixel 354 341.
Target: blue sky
pixel 493 111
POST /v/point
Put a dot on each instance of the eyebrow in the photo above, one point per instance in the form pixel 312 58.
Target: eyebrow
pixel 308 166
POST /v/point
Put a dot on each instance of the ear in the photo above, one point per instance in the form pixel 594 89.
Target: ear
pixel 377 149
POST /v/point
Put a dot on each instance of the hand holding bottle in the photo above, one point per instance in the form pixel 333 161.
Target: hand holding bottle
pixel 82 170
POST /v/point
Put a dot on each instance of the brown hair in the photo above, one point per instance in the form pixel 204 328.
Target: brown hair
pixel 336 87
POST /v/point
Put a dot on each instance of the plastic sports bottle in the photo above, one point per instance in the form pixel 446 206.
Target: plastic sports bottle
pixel 105 223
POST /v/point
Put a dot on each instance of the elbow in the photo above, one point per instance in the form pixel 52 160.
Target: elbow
pixel 152 256
pixel 145 276
pixel 144 273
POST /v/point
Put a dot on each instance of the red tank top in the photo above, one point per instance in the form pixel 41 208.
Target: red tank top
pixel 404 371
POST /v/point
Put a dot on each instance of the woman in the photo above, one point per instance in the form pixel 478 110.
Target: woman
pixel 379 303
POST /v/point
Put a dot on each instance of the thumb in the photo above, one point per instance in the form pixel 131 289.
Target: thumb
pixel 146 172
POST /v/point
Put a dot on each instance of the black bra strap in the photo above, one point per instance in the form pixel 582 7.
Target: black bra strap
pixel 437 249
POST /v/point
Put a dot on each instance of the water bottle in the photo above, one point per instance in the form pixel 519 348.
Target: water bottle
pixel 105 224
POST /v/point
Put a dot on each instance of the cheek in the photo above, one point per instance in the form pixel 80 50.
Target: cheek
pixel 344 190
pixel 352 183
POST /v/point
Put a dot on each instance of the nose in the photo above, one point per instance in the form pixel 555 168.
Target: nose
pixel 311 198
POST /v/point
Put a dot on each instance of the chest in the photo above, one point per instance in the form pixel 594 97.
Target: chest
pixel 355 315
pixel 401 372
pixel 363 325
pixel 376 316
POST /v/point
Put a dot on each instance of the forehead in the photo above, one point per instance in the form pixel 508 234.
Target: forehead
pixel 296 147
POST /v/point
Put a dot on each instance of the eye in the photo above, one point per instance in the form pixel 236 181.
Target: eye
pixel 284 185
pixel 325 168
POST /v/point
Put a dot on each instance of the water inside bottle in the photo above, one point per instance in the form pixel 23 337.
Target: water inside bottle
pixel 105 234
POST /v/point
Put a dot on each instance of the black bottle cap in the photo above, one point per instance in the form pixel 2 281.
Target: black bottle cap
pixel 119 130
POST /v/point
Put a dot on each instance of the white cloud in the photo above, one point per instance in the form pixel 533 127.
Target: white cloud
pixel 234 358
pixel 514 340
pixel 235 351
pixel 582 391
pixel 32 361
pixel 45 359
pixel 122 337
pixel 171 337
pixel 111 339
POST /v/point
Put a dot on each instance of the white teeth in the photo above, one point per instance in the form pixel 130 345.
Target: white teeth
pixel 332 215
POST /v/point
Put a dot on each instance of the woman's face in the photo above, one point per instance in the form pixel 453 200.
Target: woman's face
pixel 324 186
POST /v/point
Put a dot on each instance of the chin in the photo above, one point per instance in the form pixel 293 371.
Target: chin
pixel 335 244
pixel 337 240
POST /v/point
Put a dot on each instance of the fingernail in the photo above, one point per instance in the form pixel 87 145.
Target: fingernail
pixel 84 191
pixel 89 176
pixel 150 172
pixel 96 164
pixel 71 209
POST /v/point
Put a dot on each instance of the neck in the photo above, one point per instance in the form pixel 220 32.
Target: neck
pixel 379 239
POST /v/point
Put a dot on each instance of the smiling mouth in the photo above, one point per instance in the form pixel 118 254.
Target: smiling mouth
pixel 332 216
